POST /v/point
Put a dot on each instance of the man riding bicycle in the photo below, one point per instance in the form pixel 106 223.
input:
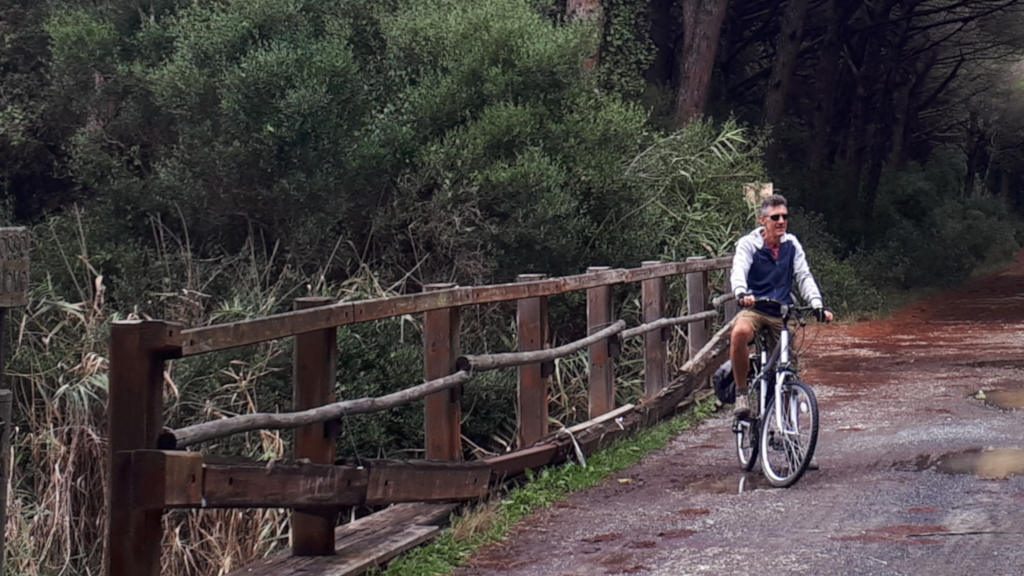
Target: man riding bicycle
pixel 766 264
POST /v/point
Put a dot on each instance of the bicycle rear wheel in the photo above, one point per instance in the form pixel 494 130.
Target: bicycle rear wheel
pixel 786 452
pixel 747 437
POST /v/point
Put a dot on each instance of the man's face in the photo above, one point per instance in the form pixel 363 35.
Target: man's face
pixel 775 222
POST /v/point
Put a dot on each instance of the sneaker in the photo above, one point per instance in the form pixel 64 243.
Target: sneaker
pixel 741 409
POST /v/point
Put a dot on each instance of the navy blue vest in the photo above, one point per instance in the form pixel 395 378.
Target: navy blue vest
pixel 769 278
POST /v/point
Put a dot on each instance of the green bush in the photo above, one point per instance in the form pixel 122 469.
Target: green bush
pixel 695 178
pixel 843 284
pixel 925 234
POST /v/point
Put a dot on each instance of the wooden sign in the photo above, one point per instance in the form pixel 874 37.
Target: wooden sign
pixel 755 192
pixel 14 257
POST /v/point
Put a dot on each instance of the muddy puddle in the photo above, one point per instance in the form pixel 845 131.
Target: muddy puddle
pixel 988 464
pixel 729 484
pixel 1003 398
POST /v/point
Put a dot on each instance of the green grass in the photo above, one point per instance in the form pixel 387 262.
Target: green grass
pixel 491 522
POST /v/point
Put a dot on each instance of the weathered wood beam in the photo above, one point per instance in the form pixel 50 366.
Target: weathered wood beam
pixel 515 463
pixel 173 479
pixel 485 362
pixel 654 301
pixel 601 361
pixel 426 481
pixel 314 363
pixel 162 479
pixel 283 485
pixel 577 428
pixel 532 338
pixel 197 433
pixel 693 375
pixel 600 432
pixel 696 302
pixel 366 543
pixel 138 350
pixel 442 411
pixel 223 336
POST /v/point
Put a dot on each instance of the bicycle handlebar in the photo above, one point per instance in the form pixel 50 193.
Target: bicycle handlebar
pixel 783 307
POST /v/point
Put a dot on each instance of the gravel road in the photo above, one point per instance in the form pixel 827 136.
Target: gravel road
pixel 921 467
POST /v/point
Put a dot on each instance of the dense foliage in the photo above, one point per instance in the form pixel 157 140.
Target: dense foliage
pixel 207 161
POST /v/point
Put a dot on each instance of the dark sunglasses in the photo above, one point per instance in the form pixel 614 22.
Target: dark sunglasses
pixel 777 217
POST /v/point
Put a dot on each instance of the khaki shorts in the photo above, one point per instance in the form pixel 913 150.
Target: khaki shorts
pixel 759 321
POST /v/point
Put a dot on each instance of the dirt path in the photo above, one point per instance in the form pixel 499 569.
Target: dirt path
pixel 918 475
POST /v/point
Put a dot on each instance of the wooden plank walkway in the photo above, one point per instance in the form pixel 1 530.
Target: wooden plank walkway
pixel 368 542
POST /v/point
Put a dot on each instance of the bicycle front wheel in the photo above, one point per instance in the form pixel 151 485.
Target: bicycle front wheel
pixel 746 443
pixel 787 446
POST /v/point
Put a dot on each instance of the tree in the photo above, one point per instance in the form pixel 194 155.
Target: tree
pixel 786 50
pixel 702 25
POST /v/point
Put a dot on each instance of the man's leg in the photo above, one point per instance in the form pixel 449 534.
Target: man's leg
pixel 742 334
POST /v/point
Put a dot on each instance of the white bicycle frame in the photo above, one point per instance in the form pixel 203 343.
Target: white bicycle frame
pixel 780 379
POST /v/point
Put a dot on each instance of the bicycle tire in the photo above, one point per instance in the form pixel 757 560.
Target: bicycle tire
pixel 746 443
pixel 785 454
pixel 746 431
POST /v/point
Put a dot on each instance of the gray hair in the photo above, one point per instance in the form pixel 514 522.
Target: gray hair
pixel 771 202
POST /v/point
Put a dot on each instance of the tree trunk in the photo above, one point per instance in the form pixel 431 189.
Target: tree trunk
pixel 702 25
pixel 869 97
pixel 882 131
pixel 906 119
pixel 587 10
pixel 786 51
pixel 826 77
pixel 977 154
pixel 665 33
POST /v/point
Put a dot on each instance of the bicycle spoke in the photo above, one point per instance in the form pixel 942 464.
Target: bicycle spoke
pixel 794 453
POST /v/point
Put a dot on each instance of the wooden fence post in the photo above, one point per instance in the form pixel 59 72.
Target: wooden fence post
pixel 696 301
pixel 655 348
pixel 602 366
pixel 730 307
pixel 138 350
pixel 532 331
pixel 315 364
pixel 443 410
pixel 6 400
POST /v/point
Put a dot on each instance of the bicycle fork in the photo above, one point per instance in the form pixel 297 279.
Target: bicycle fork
pixel 790 427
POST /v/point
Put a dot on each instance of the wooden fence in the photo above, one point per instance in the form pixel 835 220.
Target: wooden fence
pixel 151 471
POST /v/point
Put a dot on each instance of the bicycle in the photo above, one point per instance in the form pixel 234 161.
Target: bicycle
pixel 786 437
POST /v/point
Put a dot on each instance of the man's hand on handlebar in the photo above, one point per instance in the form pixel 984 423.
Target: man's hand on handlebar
pixel 823 315
pixel 748 300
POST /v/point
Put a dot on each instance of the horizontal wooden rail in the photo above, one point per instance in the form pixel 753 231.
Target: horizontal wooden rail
pixel 175 479
pixel 601 431
pixel 666 322
pixel 223 336
pixel 722 299
pixel 485 362
pixel 701 366
pixel 191 435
